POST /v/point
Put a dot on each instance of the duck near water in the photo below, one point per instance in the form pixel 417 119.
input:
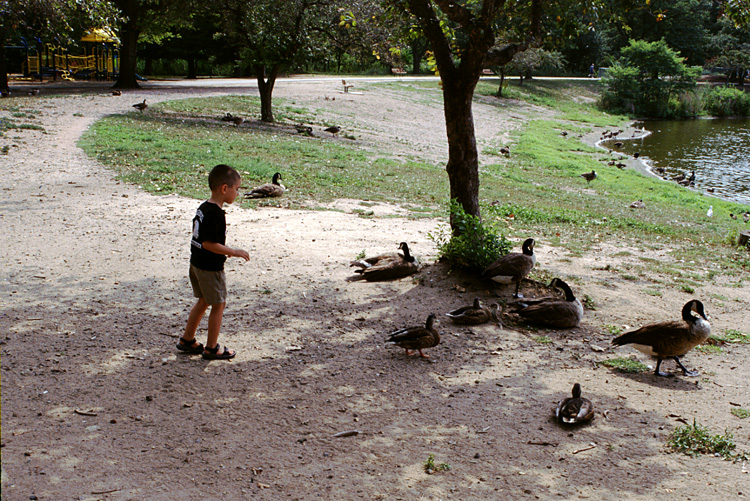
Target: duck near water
pixel 416 338
pixel 513 267
pixel 272 189
pixel 589 176
pixel 575 409
pixel 671 339
pixel 388 266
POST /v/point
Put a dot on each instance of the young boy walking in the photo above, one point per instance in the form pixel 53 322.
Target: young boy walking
pixel 208 251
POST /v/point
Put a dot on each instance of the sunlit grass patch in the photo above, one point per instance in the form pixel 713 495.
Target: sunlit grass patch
pixel 626 365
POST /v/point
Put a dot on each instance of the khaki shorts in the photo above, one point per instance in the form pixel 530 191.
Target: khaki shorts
pixel 209 285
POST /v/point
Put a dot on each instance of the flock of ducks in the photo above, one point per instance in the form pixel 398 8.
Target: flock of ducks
pixel 662 340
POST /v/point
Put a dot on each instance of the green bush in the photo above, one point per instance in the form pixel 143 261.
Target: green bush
pixel 475 245
pixel 726 101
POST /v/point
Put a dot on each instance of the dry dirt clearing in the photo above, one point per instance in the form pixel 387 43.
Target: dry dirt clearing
pixel 97 403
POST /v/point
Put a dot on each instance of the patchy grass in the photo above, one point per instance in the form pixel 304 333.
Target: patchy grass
pixel 740 413
pixel 626 365
pixel 694 440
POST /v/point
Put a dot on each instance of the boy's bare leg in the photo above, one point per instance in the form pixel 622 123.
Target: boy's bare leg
pixel 214 325
pixel 194 319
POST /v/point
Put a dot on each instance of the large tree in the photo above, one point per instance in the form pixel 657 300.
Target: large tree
pixel 462 36
pixel 272 36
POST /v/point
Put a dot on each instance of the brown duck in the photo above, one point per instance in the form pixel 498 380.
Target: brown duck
pixel 474 314
pixel 140 106
pixel 575 410
pixel 416 338
pixel 671 339
pixel 386 266
pixel 552 311
pixel 272 189
pixel 513 267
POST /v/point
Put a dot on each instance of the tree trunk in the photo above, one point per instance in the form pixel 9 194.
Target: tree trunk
pixel 129 35
pixel 265 87
pixel 502 82
pixel 192 69
pixel 463 158
pixel 3 65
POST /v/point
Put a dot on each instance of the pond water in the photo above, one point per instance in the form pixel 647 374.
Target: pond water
pixel 717 150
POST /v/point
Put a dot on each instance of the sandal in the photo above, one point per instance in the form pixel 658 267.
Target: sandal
pixel 186 345
pixel 213 353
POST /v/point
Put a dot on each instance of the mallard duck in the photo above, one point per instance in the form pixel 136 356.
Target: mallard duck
pixel 272 189
pixel 638 204
pixel 416 338
pixel 304 129
pixel 671 339
pixel 504 150
pixel 140 106
pixel 575 409
pixel 589 176
pixel 386 266
pixel 552 311
pixel 333 130
pixel 475 314
pixel 513 267
pixel 116 93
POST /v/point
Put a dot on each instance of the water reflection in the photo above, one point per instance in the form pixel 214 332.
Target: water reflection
pixel 718 150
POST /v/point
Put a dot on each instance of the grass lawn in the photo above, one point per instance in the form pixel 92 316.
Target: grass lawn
pixel 537 191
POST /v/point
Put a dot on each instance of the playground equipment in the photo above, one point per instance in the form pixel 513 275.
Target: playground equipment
pixel 100 59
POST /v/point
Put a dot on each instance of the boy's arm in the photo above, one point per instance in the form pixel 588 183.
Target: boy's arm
pixel 218 248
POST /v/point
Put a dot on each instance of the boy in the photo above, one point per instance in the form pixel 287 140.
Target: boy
pixel 207 255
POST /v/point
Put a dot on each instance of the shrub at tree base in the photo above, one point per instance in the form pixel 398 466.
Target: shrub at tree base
pixel 477 245
pixel 727 101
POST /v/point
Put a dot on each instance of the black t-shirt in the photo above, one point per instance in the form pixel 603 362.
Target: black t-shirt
pixel 209 224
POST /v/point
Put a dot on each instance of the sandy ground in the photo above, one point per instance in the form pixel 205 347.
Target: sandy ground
pixel 97 403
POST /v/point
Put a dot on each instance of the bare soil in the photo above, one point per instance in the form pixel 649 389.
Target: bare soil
pixel 98 404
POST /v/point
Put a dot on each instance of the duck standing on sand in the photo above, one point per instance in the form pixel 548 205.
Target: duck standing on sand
pixel 416 338
pixel 671 339
pixel 513 267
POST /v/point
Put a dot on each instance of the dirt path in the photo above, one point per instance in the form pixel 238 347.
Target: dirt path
pixel 96 404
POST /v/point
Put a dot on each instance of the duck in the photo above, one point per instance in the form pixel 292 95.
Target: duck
pixel 33 92
pixel 416 338
pixel 304 129
pixel 513 267
pixel 268 190
pixel 671 339
pixel 746 216
pixel 386 266
pixel 140 106
pixel 638 204
pixel 636 154
pixel 564 133
pixel 575 409
pixel 710 211
pixel 333 130
pixel 618 144
pixel 733 216
pixel 231 118
pixel 589 176
pixel 474 314
pixel 116 93
pixel 551 311
pixel 504 150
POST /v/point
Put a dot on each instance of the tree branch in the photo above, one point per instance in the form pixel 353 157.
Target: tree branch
pixel 456 13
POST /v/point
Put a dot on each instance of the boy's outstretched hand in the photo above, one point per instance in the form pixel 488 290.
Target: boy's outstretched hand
pixel 241 253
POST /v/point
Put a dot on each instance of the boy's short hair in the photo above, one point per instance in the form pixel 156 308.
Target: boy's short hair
pixel 222 174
